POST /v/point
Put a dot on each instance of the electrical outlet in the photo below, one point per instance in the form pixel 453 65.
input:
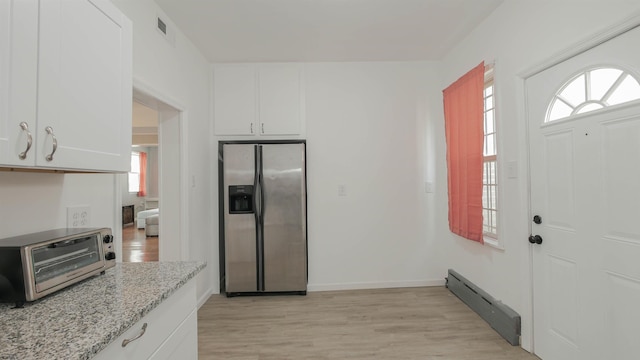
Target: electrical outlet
pixel 78 216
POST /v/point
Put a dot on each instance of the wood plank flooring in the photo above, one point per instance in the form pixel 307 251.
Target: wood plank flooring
pixel 411 323
pixel 137 247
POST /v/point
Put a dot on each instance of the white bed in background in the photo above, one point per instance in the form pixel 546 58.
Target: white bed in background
pixel 142 215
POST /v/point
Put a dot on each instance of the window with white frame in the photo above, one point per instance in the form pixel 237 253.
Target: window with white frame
pixel 490 168
pixel 134 174
pixel 594 89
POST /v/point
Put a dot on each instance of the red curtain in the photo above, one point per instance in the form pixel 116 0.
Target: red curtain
pixel 143 175
pixel 463 112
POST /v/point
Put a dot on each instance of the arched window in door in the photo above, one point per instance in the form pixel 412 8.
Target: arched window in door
pixel 591 90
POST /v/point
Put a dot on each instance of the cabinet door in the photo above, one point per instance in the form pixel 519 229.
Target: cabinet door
pixel 234 100
pixel 18 80
pixel 171 325
pixel 183 342
pixel 85 86
pixel 280 99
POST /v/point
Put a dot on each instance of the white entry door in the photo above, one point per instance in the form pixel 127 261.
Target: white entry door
pixel 585 188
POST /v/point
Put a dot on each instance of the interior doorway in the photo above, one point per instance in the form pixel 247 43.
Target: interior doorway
pixel 171 158
pixel 140 235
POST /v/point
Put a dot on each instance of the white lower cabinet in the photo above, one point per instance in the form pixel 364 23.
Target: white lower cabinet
pixel 171 331
pixel 183 343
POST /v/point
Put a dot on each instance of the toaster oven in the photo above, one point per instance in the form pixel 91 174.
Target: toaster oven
pixel 38 264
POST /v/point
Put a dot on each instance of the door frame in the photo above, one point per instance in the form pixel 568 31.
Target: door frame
pixel 172 111
pixel 589 42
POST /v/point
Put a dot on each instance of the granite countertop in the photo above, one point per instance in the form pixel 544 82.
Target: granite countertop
pixel 79 321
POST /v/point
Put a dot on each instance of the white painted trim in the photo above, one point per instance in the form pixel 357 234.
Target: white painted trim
pixel 527 313
pixel 117 215
pixel 204 298
pixel 526 265
pixel 185 181
pixel 147 95
pixel 587 43
pixel 375 285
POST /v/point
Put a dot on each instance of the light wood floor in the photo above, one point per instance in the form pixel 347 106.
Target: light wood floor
pixel 137 247
pixel 415 323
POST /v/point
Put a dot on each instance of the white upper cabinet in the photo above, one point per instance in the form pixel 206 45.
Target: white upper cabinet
pixel 18 80
pixel 234 108
pixel 258 99
pixel 84 87
pixel 280 99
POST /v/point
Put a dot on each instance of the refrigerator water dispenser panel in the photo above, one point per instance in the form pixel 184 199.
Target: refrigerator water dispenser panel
pixel 241 199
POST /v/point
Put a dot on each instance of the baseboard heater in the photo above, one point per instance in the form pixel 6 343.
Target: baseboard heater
pixel 502 318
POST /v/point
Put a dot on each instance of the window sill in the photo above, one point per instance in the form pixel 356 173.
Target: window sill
pixel 493 242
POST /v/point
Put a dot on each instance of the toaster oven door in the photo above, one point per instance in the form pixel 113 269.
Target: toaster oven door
pixel 59 262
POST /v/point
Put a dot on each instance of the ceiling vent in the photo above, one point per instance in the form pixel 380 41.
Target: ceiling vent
pixel 162 26
pixel 165 31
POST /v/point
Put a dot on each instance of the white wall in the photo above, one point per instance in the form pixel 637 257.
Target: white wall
pixel 365 130
pixel 180 73
pixel 518 35
pixel 32 202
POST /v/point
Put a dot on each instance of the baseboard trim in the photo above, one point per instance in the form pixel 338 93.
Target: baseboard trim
pixel 374 285
pixel 204 297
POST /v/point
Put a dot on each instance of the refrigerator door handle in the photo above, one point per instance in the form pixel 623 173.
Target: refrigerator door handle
pixel 261 181
pixel 260 218
pixel 256 185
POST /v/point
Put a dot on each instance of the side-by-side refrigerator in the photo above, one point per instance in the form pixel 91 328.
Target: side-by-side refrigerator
pixel 263 217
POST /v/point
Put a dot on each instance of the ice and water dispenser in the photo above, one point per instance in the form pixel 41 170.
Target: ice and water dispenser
pixel 240 199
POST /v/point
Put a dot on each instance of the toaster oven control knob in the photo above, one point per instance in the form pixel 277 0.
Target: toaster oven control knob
pixel 107 239
pixel 110 255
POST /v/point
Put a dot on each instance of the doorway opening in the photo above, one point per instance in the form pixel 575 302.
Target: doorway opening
pixel 140 190
pixel 161 235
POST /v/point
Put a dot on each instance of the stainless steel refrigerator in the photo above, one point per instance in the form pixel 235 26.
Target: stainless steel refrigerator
pixel 263 217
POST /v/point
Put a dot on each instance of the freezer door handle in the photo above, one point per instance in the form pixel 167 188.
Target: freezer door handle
pixel 261 182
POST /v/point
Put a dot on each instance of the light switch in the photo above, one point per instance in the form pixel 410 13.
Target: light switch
pixel 428 187
pixel 342 190
pixel 512 169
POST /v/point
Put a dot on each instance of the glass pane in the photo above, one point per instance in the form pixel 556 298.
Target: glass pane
pixel 490 148
pixel 628 90
pixel 135 163
pixel 492 172
pixel 589 107
pixel 492 197
pixel 134 182
pixel 488 119
pixel 485 197
pixel 485 216
pixel 601 81
pixel 574 93
pixel 488 103
pixel 63 257
pixel 559 110
pixel 488 91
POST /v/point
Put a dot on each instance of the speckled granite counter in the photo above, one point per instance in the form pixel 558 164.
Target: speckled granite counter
pixel 81 320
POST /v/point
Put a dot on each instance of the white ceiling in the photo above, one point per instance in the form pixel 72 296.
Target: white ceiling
pixel 326 30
